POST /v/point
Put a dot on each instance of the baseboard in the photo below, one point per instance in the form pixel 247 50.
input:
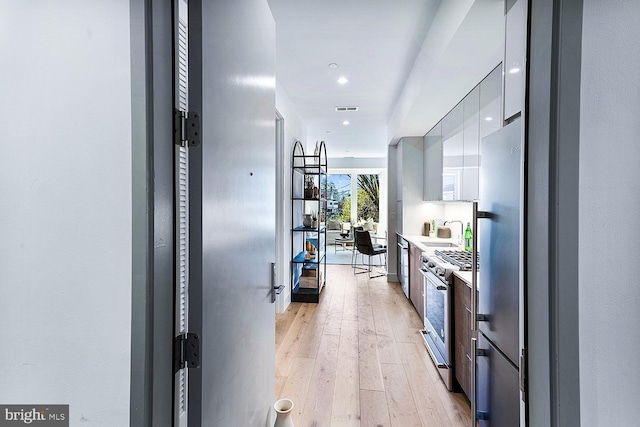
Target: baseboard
pixel 392 277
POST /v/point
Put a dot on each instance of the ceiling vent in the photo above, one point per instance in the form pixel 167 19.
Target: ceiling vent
pixel 346 108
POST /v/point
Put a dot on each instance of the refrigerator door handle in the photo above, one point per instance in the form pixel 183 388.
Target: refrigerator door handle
pixel 474 307
pixel 474 349
pixel 474 266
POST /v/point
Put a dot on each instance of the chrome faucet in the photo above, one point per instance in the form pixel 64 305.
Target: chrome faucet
pixel 461 235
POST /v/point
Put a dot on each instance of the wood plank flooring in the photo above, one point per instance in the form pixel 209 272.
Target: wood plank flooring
pixel 357 359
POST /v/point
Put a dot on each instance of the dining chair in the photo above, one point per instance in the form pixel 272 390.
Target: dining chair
pixel 365 247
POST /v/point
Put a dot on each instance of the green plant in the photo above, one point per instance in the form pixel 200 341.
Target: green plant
pixel 345 214
pixel 369 197
pixel 371 186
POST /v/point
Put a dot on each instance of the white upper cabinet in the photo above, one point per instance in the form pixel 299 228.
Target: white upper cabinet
pixel 432 164
pixel 409 182
pixel 514 57
pixel 452 154
pixel 471 153
pixel 490 103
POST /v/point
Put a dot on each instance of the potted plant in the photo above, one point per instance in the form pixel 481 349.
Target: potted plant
pixel 314 217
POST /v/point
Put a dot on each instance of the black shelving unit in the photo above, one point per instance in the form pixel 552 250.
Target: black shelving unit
pixel 308 186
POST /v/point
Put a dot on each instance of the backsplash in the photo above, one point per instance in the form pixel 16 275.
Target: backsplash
pixel 449 212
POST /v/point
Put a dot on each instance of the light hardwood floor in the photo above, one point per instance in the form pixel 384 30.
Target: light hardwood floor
pixel 357 359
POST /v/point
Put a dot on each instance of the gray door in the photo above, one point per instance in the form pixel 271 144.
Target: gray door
pixel 237 178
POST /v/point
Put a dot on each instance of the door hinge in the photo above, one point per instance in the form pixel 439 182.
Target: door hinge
pixel 523 375
pixel 186 128
pixel 186 351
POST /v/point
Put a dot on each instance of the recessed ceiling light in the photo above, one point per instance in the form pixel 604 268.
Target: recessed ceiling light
pixel 514 70
pixel 342 80
pixel 333 65
pixel 488 118
pixel 346 122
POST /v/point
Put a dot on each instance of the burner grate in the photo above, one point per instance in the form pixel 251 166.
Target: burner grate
pixel 461 259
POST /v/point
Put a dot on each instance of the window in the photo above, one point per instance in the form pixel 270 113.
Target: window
pixel 368 206
pixel 338 191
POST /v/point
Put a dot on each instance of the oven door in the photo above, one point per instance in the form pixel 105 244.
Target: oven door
pixel 437 310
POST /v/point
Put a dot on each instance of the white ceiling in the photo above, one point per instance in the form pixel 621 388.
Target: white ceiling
pixel 375 44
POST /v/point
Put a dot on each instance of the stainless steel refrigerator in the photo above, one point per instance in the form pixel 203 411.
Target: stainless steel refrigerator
pixel 496 401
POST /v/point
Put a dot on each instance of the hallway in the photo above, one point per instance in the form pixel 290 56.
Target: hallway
pixel 357 359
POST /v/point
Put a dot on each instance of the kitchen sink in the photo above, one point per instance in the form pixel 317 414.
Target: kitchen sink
pixel 432 244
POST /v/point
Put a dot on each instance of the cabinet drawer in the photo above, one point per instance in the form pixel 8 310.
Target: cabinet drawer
pixel 462 291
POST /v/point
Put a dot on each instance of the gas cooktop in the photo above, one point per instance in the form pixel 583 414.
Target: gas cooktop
pixel 461 259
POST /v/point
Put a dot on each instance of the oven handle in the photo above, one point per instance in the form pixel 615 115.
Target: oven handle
pixel 439 284
pixel 435 354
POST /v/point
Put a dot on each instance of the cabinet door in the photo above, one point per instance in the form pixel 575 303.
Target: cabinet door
pixel 515 53
pixel 471 152
pixel 432 164
pixel 415 280
pixel 399 180
pixel 490 102
pixel 462 331
pixel 452 153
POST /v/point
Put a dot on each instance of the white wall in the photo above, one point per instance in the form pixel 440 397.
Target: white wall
pixel 65 222
pixel 609 206
pixel 294 130
pixel 351 163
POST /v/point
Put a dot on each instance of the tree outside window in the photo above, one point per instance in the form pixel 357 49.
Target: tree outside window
pixel 338 193
pixel 369 197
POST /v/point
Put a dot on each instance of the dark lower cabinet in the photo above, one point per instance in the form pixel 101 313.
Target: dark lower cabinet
pixel 462 333
pixel 416 291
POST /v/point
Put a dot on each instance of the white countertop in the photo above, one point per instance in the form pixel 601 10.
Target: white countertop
pixel 419 242
pixel 466 277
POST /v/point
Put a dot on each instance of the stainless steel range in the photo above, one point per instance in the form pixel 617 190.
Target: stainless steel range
pixel 461 259
pixel 438 297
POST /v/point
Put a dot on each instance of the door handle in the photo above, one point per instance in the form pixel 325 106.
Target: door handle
pixel 273 282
